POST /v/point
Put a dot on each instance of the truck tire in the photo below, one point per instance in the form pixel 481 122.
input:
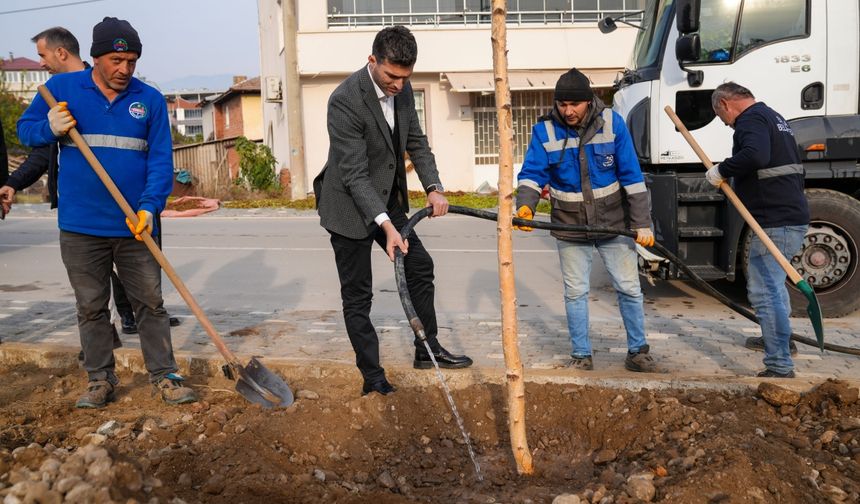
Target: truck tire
pixel 830 256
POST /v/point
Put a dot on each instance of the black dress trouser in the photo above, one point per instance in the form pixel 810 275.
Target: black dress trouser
pixel 353 261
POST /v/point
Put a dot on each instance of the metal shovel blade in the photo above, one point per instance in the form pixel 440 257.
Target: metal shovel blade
pixel 813 309
pixel 261 386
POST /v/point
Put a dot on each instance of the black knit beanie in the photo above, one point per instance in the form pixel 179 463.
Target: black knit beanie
pixel 115 35
pixel 573 86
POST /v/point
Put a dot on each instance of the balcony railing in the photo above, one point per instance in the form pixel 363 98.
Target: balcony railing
pixel 472 18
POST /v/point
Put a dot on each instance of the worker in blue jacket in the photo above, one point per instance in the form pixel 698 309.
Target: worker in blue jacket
pixel 584 152
pixel 768 177
pixel 125 123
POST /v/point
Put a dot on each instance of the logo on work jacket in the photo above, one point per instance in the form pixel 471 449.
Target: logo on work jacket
pixel 137 110
pixel 608 160
pixel 120 45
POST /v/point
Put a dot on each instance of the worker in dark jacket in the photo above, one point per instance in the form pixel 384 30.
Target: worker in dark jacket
pixel 768 177
pixel 584 152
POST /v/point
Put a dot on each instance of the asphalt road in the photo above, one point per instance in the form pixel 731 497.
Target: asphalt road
pixel 267 280
pixel 241 261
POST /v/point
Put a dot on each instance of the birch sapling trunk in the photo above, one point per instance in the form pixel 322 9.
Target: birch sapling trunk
pixel 513 364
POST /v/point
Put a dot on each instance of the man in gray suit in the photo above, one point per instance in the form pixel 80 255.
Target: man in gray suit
pixel 362 197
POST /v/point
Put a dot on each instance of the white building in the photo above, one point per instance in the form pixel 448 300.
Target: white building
pixel 22 77
pixel 453 78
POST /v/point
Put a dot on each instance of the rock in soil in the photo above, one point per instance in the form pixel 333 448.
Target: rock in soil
pixel 776 395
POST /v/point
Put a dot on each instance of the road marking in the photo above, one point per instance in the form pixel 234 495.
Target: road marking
pixel 40 321
pixel 801 356
pixel 660 336
pixel 495 356
pixel 260 313
pixel 324 323
pixel 3 315
pixel 751 330
pixel 276 321
pixel 320 331
pixel 491 323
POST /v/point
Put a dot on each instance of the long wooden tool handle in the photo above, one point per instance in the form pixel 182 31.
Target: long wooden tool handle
pixel 147 239
pixel 730 193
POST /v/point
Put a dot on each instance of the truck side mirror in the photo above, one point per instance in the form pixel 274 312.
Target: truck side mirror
pixel 688 47
pixel 687 15
pixel 606 25
pixel 687 50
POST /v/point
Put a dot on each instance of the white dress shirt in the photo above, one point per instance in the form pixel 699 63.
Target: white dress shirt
pixel 387 104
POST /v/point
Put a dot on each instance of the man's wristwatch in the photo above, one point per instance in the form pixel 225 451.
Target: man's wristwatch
pixel 435 187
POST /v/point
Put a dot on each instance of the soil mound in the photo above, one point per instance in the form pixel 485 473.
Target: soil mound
pixel 590 445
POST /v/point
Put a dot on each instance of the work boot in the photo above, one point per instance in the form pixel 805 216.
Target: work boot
pixel 174 321
pixel 769 373
pixel 581 363
pixel 129 326
pixel 641 362
pixel 98 394
pixel 757 343
pixel 172 391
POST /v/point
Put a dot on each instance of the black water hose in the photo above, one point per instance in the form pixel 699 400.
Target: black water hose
pixel 418 327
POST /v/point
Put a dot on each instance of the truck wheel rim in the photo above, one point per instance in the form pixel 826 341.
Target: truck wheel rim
pixel 827 257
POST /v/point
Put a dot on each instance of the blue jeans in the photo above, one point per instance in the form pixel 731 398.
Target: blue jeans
pixel 619 257
pixel 768 295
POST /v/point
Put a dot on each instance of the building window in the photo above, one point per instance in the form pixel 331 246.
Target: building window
pixel 527 106
pixel 473 12
pixel 227 116
pixel 420 108
pixel 193 113
pixel 193 130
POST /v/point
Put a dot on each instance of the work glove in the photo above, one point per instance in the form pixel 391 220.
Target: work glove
pixel 60 119
pixel 644 237
pixel 524 212
pixel 144 221
pixel 713 176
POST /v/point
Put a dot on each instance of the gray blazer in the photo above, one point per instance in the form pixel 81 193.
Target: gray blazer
pixel 354 186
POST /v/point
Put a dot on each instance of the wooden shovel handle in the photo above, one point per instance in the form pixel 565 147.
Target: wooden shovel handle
pixel 730 193
pixel 147 239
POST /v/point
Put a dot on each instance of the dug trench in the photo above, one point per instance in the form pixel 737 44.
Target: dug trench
pixel 589 444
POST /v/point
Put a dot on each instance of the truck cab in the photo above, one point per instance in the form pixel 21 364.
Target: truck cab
pixel 800 57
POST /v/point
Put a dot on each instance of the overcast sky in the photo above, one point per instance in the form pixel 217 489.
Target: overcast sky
pixel 180 37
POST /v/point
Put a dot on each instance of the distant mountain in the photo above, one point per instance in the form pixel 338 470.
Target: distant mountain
pixel 214 82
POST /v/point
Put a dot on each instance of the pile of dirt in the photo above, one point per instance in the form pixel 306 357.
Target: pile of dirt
pixel 190 206
pixel 590 445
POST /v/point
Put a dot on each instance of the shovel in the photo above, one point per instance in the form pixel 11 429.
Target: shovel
pixel 813 309
pixel 255 383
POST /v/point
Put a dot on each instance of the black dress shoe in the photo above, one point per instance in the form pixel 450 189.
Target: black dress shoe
pixel 383 387
pixel 444 358
pixel 129 326
pixel 174 321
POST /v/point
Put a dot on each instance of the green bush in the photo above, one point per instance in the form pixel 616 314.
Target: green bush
pixel 256 165
pixel 11 108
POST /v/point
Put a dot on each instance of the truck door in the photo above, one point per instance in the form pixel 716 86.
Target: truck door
pixel 775 48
